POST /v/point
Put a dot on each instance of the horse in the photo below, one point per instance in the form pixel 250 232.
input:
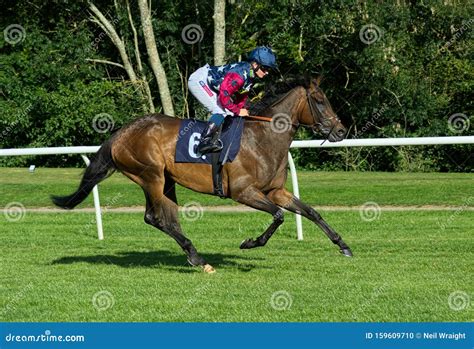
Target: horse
pixel 144 152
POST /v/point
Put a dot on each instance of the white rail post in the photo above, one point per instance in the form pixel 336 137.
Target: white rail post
pixel 296 192
pixel 370 142
pixel 98 214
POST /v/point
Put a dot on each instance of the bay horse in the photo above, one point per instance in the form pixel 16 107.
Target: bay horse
pixel 144 152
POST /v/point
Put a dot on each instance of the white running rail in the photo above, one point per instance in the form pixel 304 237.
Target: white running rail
pixel 368 142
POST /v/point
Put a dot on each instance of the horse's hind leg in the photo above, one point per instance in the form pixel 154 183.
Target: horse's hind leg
pixel 162 213
pixel 285 199
pixel 256 199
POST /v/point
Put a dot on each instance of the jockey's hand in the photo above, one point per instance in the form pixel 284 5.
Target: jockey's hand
pixel 243 112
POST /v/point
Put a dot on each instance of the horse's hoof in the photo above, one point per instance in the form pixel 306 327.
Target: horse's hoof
pixel 247 243
pixel 208 269
pixel 346 252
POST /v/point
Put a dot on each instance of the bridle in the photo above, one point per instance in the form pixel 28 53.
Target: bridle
pixel 315 108
pixel 316 111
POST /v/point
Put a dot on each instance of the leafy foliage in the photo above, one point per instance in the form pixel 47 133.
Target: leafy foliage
pixel 391 69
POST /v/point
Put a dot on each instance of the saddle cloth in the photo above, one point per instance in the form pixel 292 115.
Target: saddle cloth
pixel 190 133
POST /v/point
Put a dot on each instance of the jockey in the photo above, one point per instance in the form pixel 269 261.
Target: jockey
pixel 223 90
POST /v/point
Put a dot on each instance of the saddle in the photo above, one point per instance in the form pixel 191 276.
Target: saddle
pixel 188 137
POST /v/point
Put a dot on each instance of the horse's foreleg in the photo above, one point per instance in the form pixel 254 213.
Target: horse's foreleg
pixel 287 200
pixel 256 199
pixel 162 213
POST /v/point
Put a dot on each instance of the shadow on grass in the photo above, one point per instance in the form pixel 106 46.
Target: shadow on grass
pixel 167 259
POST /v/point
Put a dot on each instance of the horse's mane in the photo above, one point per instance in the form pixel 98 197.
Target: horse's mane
pixel 273 92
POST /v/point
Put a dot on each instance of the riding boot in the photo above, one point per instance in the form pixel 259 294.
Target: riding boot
pixel 210 141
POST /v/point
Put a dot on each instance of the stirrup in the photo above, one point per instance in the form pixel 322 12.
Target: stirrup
pixel 219 144
pixel 204 147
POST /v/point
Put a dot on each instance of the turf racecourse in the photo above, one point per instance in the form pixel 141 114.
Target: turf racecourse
pixel 408 265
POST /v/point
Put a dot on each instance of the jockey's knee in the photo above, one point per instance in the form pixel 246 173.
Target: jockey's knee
pixel 217 119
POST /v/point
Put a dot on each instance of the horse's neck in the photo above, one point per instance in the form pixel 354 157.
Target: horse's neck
pixel 276 137
pixel 287 107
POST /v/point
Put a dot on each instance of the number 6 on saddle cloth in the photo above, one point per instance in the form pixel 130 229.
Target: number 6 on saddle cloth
pixel 189 135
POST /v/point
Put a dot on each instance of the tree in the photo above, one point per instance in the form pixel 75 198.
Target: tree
pixel 154 58
pixel 390 69
pixel 219 32
pixel 99 18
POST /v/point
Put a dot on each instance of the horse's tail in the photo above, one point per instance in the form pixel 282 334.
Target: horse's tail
pixel 101 167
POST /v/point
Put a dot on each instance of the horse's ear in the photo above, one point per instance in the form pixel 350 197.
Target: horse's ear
pixel 317 80
pixel 307 79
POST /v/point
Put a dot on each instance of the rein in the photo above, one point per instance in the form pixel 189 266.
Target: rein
pixel 264 118
pixel 269 119
pixel 257 117
pixel 313 108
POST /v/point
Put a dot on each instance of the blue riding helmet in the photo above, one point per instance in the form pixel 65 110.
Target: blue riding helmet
pixel 264 56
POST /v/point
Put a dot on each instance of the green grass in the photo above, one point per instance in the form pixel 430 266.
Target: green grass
pixel 406 264
pixel 404 269
pixel 316 188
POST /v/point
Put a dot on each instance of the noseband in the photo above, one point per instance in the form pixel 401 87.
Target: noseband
pixel 316 109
